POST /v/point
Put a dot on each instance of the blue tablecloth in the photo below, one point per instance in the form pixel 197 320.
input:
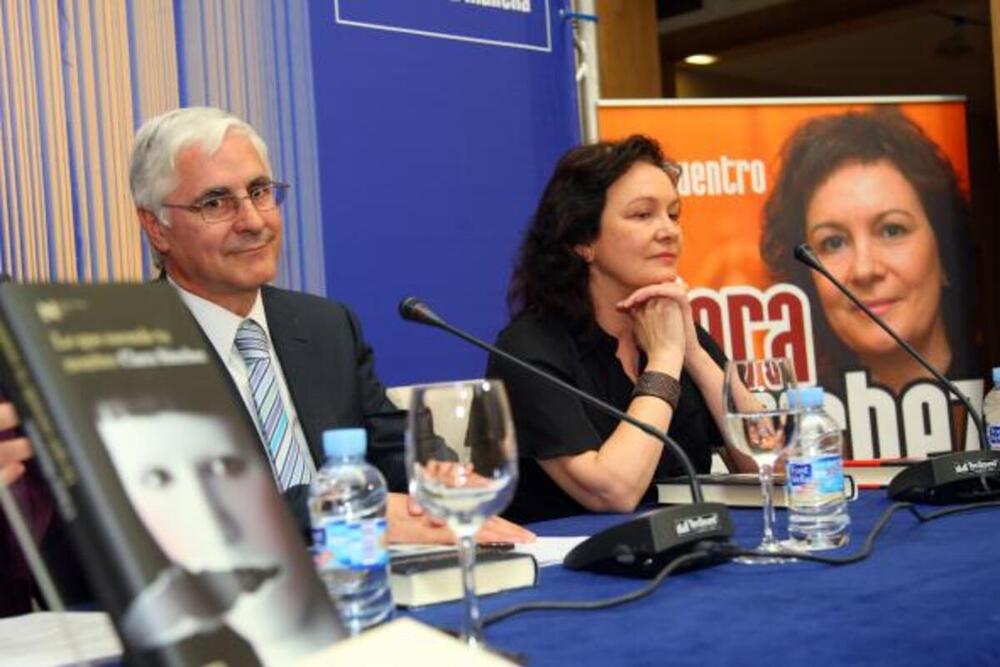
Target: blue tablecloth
pixel 928 595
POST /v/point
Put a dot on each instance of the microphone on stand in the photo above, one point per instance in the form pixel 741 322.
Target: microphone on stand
pixel 945 478
pixel 644 545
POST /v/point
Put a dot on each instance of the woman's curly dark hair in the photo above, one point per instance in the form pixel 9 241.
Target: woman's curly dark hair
pixel 549 277
pixel 821 146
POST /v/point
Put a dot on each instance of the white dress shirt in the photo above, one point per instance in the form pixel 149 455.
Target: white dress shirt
pixel 220 326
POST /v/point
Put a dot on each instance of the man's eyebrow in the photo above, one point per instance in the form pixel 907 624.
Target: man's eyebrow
pixel 224 191
pixel 214 192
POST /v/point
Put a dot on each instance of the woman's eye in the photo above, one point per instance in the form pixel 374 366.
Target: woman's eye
pixel 893 230
pixel 227 466
pixel 831 244
pixel 641 215
pixel 156 478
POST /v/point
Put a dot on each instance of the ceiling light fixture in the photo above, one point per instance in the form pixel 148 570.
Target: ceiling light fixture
pixel 701 59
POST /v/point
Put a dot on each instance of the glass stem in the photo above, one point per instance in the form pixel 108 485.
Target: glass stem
pixel 766 491
pixel 472 632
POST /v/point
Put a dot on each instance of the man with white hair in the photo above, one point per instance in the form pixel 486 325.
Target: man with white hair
pixel 209 206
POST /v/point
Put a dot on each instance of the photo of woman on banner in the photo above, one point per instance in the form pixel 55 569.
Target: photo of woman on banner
pixel 882 207
pixel 212 508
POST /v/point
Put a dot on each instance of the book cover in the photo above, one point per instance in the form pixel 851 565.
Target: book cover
pixel 160 476
pixel 732 490
pixel 420 577
pixel 877 473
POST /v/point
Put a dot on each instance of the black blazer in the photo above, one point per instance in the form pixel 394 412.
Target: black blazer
pixel 330 371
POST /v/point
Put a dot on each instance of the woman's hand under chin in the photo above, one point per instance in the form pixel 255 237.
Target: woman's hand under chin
pixel 679 318
pixel 658 327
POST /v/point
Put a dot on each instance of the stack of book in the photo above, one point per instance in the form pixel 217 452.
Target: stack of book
pixel 877 473
pixel 733 490
pixel 423 575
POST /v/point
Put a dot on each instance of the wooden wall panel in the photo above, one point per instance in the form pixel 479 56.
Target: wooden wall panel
pixel 628 48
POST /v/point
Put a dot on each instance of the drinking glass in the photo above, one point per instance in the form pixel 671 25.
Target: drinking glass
pixel 759 423
pixel 470 477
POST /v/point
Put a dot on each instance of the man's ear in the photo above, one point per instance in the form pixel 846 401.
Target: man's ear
pixel 585 252
pixel 154 231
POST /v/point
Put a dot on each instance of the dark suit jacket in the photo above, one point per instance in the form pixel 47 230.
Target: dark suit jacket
pixel 330 372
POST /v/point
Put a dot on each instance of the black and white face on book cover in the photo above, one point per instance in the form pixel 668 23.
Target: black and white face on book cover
pixel 164 481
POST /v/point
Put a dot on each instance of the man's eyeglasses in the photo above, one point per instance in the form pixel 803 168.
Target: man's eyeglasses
pixel 222 208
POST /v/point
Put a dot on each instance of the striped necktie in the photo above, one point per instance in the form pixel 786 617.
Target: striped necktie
pixel 287 455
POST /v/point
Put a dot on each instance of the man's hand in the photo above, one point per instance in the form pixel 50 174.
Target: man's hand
pixel 14 449
pixel 407 522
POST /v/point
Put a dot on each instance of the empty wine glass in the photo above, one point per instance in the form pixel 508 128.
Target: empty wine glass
pixel 469 478
pixel 759 423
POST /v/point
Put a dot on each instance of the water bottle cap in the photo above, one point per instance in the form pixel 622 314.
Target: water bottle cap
pixel 805 397
pixel 996 375
pixel 345 442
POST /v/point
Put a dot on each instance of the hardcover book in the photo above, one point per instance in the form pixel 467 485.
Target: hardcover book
pixel 160 476
pixel 423 577
pixel 732 490
pixel 877 473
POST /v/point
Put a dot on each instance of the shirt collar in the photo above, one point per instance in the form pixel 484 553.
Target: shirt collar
pixel 219 324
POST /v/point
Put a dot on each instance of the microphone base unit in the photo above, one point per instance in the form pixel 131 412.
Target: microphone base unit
pixel 643 546
pixel 953 478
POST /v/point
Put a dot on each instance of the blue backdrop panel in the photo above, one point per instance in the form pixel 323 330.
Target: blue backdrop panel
pixel 438 124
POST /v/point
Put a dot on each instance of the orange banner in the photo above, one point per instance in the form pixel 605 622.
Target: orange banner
pixel 879 189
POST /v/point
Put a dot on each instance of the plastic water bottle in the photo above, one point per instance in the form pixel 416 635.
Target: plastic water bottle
pixel 814 469
pixel 991 411
pixel 347 513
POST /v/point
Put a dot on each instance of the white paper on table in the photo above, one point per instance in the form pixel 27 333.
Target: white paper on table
pixel 550 550
pixel 403 641
pixel 40 639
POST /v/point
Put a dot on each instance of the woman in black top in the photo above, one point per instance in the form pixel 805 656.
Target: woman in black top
pixel 597 302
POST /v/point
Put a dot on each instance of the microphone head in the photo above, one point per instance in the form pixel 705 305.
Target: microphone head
pixel 805 254
pixel 413 309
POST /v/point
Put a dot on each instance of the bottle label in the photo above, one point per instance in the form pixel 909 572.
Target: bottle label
pixel 815 480
pixel 993 435
pixel 354 545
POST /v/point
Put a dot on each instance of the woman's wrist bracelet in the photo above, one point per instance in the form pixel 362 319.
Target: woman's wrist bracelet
pixel 660 385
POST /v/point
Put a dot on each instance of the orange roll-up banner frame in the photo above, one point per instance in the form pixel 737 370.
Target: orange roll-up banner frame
pixel 873 215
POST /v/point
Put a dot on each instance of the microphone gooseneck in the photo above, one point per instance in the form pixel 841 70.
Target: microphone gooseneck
pixel 805 254
pixel 415 310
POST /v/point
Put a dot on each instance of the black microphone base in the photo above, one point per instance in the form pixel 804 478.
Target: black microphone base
pixel 643 546
pixel 954 478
